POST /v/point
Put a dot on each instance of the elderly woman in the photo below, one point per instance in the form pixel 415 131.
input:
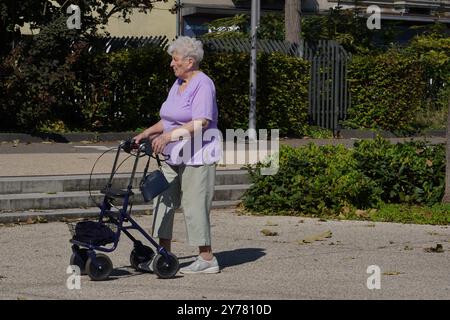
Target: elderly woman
pixel 190 110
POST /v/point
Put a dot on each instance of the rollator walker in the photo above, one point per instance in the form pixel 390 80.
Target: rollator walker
pixel 92 239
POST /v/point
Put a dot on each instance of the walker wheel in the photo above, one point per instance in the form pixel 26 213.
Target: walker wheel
pixel 79 258
pixel 102 270
pixel 166 269
pixel 140 254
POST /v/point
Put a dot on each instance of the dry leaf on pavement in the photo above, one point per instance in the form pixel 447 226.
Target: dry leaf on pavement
pixel 316 237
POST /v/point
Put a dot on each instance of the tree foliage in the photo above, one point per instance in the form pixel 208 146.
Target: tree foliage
pixel 37 73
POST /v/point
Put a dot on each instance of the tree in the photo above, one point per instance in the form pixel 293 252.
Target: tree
pixel 35 75
pixel 292 20
pixel 38 13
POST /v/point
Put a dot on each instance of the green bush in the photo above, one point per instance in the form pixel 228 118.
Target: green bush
pixel 406 172
pixel 123 89
pixel 36 79
pixel 433 53
pixel 326 179
pixel 312 180
pixel 386 91
pixel 228 73
pixel 283 94
pixel 399 89
pixel 282 91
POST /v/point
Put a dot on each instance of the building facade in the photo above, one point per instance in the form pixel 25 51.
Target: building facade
pixel 195 13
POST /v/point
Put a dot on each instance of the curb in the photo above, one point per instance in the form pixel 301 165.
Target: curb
pixel 372 134
pixel 63 215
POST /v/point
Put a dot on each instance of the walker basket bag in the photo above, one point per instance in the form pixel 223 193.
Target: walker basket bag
pixel 153 184
pixel 93 232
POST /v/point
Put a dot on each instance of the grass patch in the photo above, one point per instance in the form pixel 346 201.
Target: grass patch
pixel 438 214
pixel 315 132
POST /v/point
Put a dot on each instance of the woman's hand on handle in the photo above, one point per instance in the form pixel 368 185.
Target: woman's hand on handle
pixel 160 142
pixel 140 137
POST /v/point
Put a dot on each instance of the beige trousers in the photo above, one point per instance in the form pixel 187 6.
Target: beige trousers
pixel 193 188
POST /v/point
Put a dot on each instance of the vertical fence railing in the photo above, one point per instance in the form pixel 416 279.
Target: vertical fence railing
pixel 329 96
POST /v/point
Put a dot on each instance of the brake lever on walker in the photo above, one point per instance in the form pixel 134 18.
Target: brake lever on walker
pixel 129 145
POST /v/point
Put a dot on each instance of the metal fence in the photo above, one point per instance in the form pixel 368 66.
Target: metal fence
pixel 110 44
pixel 329 95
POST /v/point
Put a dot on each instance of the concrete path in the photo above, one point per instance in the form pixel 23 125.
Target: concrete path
pixel 34 259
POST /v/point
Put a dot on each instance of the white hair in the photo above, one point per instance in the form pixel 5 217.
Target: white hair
pixel 188 48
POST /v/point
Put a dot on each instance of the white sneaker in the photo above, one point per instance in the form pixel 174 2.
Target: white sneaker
pixel 201 265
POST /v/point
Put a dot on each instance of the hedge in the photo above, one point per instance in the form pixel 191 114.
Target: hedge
pixel 389 89
pixel 63 88
pixel 386 91
pixel 282 91
pixel 124 90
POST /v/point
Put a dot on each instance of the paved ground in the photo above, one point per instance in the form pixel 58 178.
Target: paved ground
pixel 34 259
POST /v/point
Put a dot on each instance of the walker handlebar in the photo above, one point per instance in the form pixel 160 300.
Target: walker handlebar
pixel 145 147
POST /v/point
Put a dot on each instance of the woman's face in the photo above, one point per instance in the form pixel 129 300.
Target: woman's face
pixel 181 66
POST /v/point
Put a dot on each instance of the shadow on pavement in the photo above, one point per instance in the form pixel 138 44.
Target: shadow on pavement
pixel 235 257
pixel 238 256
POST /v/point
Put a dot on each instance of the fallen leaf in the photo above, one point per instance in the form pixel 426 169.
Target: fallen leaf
pixel 437 249
pixel 316 237
pixel 269 233
pixel 270 223
pixel 429 162
pixel 16 143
